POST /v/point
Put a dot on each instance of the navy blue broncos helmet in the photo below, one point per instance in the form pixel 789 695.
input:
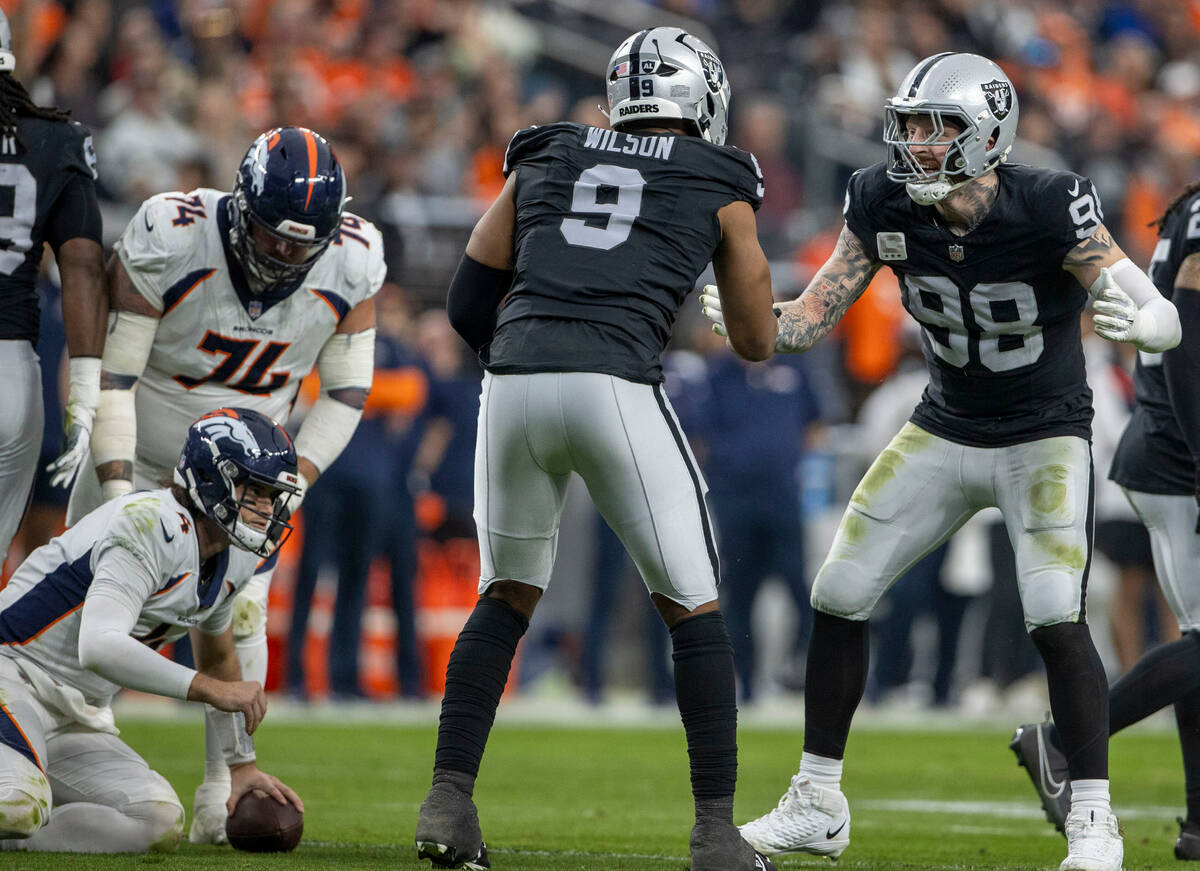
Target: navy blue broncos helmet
pixel 233 446
pixel 291 186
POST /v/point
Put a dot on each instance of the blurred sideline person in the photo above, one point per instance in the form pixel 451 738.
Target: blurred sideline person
pixel 1157 464
pixel 996 263
pixel 84 615
pixel 48 166
pixel 569 288
pixel 750 424
pixel 354 514
pixel 225 298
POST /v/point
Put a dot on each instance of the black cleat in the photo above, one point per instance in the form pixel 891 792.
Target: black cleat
pixel 448 830
pixel 1047 768
pixel 720 847
pixel 1187 847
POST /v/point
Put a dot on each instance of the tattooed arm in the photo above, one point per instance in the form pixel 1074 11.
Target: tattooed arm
pixel 1086 259
pixel 807 319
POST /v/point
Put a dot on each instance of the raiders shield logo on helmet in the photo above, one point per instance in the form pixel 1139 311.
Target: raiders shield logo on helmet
pixel 999 98
pixel 714 73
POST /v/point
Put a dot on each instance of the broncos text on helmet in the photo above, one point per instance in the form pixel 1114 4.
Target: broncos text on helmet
pixel 291 188
pixel 231 447
pixel 666 73
pixel 966 90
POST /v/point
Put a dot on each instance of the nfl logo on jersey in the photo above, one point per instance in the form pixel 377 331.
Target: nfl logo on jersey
pixel 957 253
pixel 254 309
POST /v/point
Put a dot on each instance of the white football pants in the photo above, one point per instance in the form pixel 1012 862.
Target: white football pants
pixel 623 439
pixel 64 786
pixel 20 433
pixel 922 488
pixel 1171 522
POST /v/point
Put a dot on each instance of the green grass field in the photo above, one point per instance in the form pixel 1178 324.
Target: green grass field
pixel 553 799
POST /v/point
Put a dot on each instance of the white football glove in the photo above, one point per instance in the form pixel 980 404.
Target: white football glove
pixel 292 500
pixel 1117 317
pixel 78 416
pixel 710 305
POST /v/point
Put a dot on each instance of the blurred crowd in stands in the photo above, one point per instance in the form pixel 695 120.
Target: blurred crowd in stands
pixel 420 97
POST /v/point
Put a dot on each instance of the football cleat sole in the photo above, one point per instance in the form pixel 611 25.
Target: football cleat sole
pixel 443 856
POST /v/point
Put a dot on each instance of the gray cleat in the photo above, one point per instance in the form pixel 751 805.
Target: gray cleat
pixel 720 847
pixel 1187 848
pixel 448 830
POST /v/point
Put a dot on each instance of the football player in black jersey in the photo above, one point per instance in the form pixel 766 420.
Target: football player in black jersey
pixel 995 262
pixel 1157 464
pixel 569 289
pixel 47 194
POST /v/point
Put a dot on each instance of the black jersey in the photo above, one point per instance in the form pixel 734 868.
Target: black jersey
pixel 1153 455
pixel 612 231
pixel 1000 315
pixel 56 167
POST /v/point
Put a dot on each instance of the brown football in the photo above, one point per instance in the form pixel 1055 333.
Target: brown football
pixel 260 824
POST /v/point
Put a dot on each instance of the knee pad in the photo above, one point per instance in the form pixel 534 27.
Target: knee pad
pixel 844 589
pixel 24 807
pixel 163 821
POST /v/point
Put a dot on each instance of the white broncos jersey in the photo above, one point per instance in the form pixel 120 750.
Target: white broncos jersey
pixel 41 608
pixel 218 345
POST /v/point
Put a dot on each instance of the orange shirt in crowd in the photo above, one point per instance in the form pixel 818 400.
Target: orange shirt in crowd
pixel 870 329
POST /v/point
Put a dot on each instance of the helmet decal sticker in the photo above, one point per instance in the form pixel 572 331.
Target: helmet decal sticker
pixel 999 97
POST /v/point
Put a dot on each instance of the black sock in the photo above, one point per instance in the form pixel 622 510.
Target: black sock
pixel 1078 696
pixel 705 692
pixel 475 679
pixel 1163 676
pixel 1187 718
pixel 835 678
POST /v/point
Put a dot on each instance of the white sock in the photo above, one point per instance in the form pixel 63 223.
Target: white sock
pixel 1090 795
pixel 822 770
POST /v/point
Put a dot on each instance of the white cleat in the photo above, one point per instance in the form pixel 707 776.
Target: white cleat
pixel 208 814
pixel 809 819
pixel 1093 842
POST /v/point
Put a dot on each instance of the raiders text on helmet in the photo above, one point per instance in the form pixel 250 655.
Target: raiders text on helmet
pixel 962 90
pixel 666 73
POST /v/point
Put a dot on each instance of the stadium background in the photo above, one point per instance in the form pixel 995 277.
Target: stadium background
pixel 420 97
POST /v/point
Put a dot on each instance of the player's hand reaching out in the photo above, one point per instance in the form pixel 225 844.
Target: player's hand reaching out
pixel 710 305
pixel 77 419
pixel 1117 317
pixel 233 696
pixel 247 776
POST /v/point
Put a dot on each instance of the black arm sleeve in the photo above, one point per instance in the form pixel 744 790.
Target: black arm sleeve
pixel 75 214
pixel 474 298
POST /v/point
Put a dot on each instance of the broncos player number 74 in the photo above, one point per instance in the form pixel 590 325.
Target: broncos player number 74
pixel 229 299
